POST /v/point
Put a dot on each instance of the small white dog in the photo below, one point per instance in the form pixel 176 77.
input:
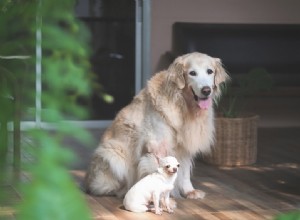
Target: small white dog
pixel 153 188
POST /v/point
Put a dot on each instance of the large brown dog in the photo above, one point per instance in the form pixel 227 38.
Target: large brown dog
pixel 173 116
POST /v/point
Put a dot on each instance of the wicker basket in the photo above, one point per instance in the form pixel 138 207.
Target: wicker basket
pixel 236 142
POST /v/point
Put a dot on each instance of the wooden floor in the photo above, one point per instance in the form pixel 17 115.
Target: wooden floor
pixel 260 191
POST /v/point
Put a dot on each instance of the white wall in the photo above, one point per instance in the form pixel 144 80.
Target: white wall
pixel 166 12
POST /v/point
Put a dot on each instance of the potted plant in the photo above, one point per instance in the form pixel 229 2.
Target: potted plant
pixel 236 129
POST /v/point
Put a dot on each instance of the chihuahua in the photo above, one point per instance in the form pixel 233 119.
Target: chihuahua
pixel 153 188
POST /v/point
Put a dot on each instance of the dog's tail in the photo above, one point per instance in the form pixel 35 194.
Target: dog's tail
pixel 113 154
pixel 147 164
pixel 108 173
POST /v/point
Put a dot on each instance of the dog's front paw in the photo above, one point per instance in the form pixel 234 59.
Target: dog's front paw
pixel 170 210
pixel 195 194
pixel 158 212
pixel 172 205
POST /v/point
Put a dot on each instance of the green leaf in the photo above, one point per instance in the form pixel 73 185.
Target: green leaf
pixel 293 215
pixel 108 98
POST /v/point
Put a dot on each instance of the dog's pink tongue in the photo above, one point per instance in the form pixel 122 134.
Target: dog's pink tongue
pixel 204 104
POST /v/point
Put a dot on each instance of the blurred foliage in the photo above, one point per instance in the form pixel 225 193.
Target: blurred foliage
pixel 51 193
pixel 12 43
pixel 295 215
pixel 256 80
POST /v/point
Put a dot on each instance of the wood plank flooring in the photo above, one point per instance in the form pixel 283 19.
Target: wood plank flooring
pixel 260 191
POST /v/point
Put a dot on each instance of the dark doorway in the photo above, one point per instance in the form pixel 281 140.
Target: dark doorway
pixel 112 26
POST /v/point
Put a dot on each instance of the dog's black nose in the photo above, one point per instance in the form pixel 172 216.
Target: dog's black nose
pixel 206 90
pixel 174 169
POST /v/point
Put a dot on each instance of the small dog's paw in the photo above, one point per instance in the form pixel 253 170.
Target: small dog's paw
pixel 158 212
pixel 173 203
pixel 195 194
pixel 170 210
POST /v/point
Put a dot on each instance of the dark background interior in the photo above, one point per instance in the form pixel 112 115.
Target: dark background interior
pixel 112 27
pixel 242 47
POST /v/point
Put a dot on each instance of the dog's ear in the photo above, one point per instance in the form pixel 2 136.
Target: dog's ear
pixel 221 75
pixel 176 73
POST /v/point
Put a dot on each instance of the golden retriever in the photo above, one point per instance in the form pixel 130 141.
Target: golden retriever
pixel 172 116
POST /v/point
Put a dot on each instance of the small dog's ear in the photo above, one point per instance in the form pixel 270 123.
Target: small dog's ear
pixel 158 158
pixel 176 72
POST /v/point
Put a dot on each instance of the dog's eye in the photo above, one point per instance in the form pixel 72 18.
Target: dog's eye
pixel 209 71
pixel 178 165
pixel 193 73
pixel 168 166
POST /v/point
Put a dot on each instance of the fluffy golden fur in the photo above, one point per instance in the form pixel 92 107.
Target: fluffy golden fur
pixel 166 118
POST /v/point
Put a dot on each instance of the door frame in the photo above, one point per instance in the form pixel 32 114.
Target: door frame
pixel 142 68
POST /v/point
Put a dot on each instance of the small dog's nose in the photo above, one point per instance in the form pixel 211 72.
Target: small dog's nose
pixel 174 169
pixel 206 90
